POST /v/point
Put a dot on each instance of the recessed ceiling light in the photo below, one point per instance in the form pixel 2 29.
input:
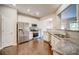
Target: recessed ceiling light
pixel 14 4
pixel 28 10
pixel 50 19
pixel 37 13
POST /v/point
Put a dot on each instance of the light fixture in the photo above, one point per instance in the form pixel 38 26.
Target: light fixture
pixel 28 10
pixel 37 13
pixel 50 19
pixel 14 4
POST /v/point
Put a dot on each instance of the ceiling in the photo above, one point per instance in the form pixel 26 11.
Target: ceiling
pixel 37 10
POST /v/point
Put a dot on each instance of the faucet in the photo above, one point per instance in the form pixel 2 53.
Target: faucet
pixel 66 34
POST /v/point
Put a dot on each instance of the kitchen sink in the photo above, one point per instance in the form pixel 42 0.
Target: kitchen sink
pixel 62 36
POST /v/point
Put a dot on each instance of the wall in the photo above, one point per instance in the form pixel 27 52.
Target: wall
pixel 46 23
pixel 9 19
pixel 56 22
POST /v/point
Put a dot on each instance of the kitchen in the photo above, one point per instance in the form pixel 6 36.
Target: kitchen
pixel 57 24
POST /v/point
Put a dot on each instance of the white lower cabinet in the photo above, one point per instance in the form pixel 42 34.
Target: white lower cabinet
pixel 56 45
pixel 46 36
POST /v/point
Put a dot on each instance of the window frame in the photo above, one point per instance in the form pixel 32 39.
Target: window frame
pixel 59 15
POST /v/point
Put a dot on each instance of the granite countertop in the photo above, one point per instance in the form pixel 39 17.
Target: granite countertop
pixel 72 40
pixel 69 46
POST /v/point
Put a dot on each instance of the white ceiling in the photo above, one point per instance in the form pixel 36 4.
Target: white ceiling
pixel 37 10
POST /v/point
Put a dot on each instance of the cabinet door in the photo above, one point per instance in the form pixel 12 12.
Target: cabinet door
pixel 52 41
pixel 46 36
pixel 56 44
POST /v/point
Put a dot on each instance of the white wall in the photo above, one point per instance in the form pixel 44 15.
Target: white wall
pixel 26 19
pixel 46 24
pixel 9 19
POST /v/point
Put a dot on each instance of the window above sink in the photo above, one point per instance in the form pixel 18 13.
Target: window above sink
pixel 68 18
